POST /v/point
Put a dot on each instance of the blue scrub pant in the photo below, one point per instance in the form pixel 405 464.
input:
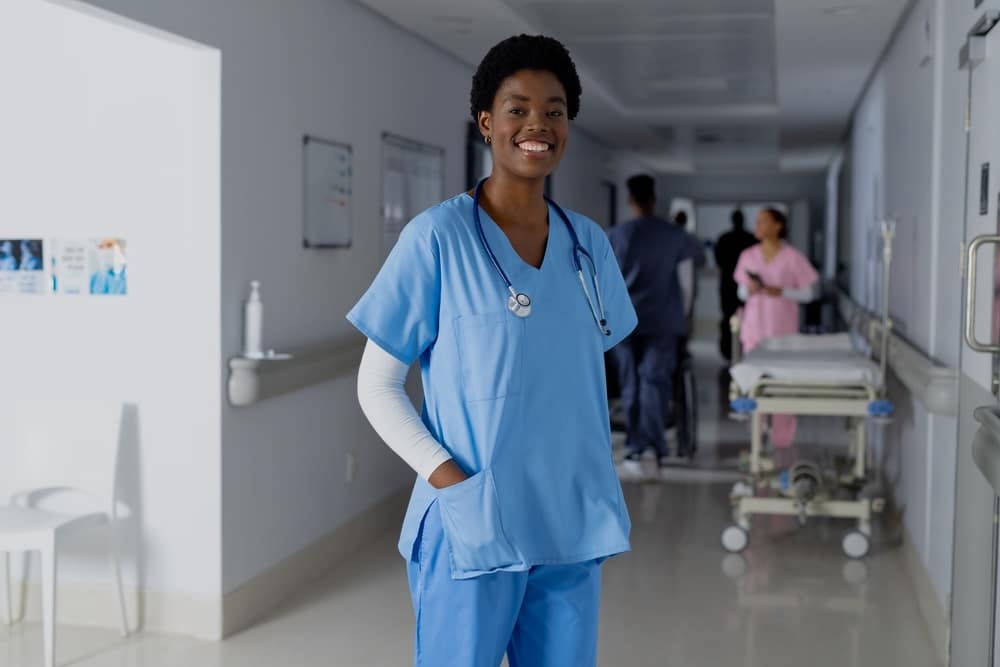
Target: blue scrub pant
pixel 545 617
pixel 646 367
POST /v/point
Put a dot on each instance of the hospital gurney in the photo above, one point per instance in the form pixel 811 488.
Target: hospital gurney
pixel 816 376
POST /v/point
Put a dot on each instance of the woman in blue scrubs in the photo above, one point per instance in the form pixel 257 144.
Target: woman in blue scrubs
pixel 509 302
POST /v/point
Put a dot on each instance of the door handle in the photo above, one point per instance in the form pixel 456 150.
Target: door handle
pixel 970 294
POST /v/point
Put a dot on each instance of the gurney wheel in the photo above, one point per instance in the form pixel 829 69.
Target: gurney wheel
pixel 735 539
pixel 856 544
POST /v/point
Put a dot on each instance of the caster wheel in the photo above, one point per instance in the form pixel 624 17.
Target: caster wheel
pixel 855 572
pixel 734 566
pixel 856 544
pixel 735 539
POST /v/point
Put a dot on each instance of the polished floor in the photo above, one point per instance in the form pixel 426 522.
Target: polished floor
pixel 676 601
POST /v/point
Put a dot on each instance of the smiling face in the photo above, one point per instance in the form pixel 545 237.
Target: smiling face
pixel 527 124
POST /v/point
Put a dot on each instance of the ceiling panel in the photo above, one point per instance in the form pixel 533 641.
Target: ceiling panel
pixel 667 53
pixel 769 76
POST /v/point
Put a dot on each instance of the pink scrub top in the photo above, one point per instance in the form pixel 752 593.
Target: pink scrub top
pixel 771 316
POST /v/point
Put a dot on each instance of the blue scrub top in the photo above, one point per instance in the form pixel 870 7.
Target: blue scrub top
pixel 649 250
pixel 520 404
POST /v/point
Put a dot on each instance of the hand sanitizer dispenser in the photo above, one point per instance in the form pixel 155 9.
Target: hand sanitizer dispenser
pixel 252 313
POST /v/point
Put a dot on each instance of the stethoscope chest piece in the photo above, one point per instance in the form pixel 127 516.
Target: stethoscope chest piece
pixel 519 304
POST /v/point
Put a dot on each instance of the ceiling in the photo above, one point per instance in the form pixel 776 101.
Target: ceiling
pixel 691 85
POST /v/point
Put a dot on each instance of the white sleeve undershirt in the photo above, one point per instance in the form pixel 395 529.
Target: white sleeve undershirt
pixel 383 399
pixel 801 294
pixel 685 276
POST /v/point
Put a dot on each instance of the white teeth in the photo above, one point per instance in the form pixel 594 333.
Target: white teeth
pixel 533 146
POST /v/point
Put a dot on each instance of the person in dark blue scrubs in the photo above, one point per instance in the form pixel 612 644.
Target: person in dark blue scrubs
pixel 649 250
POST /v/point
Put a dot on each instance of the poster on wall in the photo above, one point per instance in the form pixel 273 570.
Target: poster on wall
pixel 412 181
pixel 22 266
pixel 90 266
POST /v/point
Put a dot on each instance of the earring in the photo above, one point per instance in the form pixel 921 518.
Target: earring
pixel 488 139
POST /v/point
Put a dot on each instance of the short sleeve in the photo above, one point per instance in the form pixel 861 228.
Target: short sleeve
pixel 805 274
pixel 399 312
pixel 617 303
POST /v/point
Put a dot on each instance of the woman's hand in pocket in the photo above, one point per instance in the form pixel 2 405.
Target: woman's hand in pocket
pixel 447 474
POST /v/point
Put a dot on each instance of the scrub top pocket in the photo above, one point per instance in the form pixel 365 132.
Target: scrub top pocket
pixel 470 517
pixel 491 351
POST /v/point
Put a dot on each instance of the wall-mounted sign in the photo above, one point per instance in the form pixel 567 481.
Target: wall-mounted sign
pixel 90 266
pixel 22 266
pixel 328 196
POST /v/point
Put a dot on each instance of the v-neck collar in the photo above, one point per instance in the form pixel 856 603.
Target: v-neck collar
pixel 495 235
pixel 770 262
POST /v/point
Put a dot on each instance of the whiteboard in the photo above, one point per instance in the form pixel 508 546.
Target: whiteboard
pixel 412 181
pixel 328 197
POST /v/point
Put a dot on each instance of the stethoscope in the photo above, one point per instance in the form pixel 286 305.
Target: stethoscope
pixel 519 303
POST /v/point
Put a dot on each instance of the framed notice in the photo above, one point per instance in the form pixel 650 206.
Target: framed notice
pixel 327 193
pixel 412 181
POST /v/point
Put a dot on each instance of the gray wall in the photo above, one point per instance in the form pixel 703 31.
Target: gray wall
pixel 336 70
pixel 905 160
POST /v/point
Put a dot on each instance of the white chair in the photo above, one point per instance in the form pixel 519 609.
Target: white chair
pixel 58 474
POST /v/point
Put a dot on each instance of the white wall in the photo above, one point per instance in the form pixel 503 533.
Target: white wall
pixel 333 69
pixel 323 68
pixel 906 160
pixel 113 130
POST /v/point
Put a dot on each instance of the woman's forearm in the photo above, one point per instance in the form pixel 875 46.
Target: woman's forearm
pixel 383 399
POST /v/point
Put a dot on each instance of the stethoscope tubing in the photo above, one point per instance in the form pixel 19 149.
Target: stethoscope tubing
pixel 578 250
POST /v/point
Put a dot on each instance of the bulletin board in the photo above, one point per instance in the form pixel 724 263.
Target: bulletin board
pixel 327 193
pixel 412 181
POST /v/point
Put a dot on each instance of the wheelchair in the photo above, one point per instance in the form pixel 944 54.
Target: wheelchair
pixel 682 412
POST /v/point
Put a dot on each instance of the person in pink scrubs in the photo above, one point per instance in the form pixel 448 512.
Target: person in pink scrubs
pixel 773 278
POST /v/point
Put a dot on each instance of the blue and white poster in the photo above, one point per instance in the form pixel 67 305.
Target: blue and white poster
pixel 90 266
pixel 22 266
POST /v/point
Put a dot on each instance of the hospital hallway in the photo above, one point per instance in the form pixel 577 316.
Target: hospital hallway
pixel 309 308
pixel 677 599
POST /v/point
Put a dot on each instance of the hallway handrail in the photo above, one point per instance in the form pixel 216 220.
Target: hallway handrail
pixel 935 385
pixel 253 380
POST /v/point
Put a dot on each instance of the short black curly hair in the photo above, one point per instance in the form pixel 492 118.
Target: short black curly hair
pixel 513 54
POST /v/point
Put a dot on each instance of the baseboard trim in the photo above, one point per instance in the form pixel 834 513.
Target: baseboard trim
pixel 262 595
pixel 215 618
pixel 933 612
pixel 93 606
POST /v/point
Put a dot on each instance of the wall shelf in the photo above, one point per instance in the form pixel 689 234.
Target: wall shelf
pixel 254 380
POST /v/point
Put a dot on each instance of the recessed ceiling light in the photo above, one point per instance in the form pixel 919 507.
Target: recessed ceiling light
pixel 844 10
